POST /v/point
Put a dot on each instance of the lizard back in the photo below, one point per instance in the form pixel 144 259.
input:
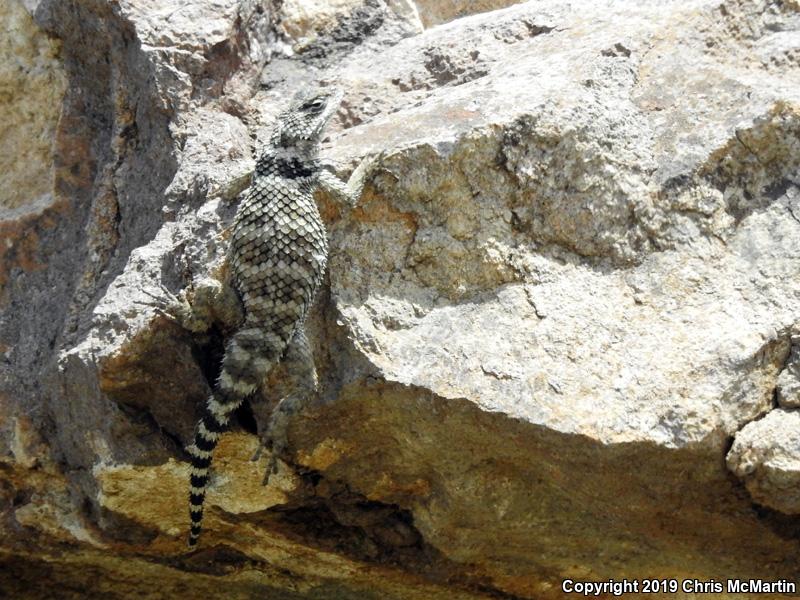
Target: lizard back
pixel 279 248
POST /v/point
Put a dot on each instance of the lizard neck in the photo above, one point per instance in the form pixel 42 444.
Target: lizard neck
pixel 288 163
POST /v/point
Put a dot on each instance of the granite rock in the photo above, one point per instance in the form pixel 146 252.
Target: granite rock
pixel 572 284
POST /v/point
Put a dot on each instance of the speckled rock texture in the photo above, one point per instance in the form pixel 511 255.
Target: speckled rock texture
pixel 558 338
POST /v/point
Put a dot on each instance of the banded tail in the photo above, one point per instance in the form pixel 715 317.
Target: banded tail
pixel 208 431
pixel 249 356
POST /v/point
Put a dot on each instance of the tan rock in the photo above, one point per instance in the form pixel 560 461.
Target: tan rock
pixel 435 12
pixel 301 20
pixel 32 84
pixel 154 496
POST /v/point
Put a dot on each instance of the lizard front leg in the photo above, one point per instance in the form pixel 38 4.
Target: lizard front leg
pixel 349 192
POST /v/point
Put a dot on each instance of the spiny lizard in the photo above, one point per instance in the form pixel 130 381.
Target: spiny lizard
pixel 277 260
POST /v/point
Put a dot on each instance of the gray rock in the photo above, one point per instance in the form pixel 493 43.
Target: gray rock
pixel 572 281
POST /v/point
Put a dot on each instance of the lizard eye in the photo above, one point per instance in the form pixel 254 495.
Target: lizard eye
pixel 314 104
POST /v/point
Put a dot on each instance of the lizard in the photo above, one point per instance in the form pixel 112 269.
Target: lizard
pixel 276 262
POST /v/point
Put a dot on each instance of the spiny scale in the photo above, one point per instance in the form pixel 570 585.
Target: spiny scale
pixel 278 255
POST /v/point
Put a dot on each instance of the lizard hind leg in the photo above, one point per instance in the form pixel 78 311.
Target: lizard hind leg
pixel 302 373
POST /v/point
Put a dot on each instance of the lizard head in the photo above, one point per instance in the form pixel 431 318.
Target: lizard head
pixel 303 122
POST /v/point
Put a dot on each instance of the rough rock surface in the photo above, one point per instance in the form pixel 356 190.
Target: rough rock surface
pixel 789 380
pixel 31 87
pixel 556 328
pixel 766 455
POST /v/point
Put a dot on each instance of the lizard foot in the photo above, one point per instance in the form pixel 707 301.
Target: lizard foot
pixel 268 444
pixel 272 469
pixel 166 304
pixel 272 463
pixel 178 309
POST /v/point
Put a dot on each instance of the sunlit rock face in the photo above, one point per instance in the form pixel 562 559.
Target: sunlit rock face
pixel 559 336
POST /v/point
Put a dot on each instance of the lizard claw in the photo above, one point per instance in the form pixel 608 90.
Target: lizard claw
pixel 158 304
pixel 272 464
pixel 257 453
pixel 170 297
pixel 176 308
pixel 162 302
pixel 272 469
pixel 164 312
